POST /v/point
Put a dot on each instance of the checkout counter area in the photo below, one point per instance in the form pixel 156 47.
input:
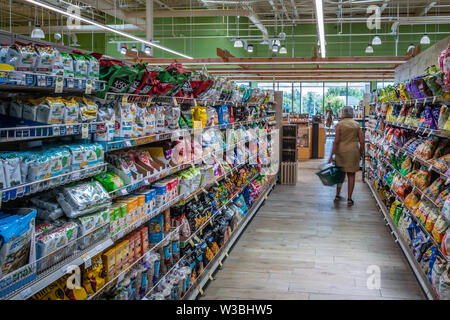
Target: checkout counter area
pixel 310 136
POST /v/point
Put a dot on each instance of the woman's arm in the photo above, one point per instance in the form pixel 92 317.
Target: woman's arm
pixel 335 143
pixel 361 142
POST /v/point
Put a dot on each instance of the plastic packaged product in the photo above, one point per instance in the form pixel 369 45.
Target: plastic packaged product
pixel 12 169
pixel 439 229
pixel 16 233
pixel 50 111
pixel 88 110
pixel 125 118
pixel 93 69
pixel 160 119
pixel 83 198
pixel 110 181
pixel 71 111
pixel 89 223
pixel 78 157
pixel 150 121
pixel 139 123
pixel 105 132
pixel 80 66
pixel 155 229
pixel 67 64
pixel 22 57
pixel 52 240
pixel 175 239
pixel 172 116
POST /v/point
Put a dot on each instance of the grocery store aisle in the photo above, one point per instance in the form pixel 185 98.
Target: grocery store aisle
pixel 300 245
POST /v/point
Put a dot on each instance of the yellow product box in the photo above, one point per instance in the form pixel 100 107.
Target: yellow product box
pixel 142 205
pixel 125 253
pixel 109 263
pixel 119 258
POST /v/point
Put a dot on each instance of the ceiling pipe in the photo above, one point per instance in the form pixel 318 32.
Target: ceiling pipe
pixel 149 22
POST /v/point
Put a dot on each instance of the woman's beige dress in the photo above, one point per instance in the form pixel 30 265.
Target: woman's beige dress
pixel 347 153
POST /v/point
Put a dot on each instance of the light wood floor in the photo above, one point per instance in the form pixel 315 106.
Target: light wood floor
pixel 300 245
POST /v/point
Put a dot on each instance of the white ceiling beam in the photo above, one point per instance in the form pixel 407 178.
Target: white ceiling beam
pixel 193 13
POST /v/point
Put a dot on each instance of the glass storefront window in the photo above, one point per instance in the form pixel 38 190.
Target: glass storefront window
pixel 297 97
pixel 286 88
pixel 312 97
pixel 356 92
pixel 335 95
pixel 382 84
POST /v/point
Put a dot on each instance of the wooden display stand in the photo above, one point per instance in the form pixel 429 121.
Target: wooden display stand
pixel 322 139
pixel 304 139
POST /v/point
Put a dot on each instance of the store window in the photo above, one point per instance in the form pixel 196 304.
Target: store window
pixel 356 92
pixel 335 95
pixel 382 84
pixel 286 88
pixel 267 86
pixel 312 97
pixel 245 83
pixel 297 97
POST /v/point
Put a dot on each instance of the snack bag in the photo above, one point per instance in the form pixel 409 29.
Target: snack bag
pixel 22 57
pixel 125 117
pixel 50 111
pixel 110 181
pixel 105 132
pixel 71 111
pixel 88 110
pixel 80 66
pixel 93 69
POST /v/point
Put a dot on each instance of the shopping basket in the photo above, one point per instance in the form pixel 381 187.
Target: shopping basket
pixel 331 175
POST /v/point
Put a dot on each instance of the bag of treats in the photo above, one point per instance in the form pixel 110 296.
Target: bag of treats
pixel 105 132
pixel 88 110
pixel 439 228
pixel 71 111
pixel 433 190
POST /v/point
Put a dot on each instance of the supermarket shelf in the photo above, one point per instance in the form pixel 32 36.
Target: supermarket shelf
pixel 421 130
pixel 26 189
pixel 144 219
pixel 25 133
pixel 419 273
pixel 119 277
pixel 432 99
pixel 58 271
pixel 212 266
pixel 48 83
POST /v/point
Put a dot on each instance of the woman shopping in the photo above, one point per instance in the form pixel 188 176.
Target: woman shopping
pixel 348 148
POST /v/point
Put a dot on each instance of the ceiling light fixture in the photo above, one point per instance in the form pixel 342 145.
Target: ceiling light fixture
pixel 320 26
pixel 250 48
pixel 425 39
pixel 277 42
pixel 37 32
pixel 369 49
pixel 133 48
pixel 104 27
pixel 411 47
pixel 147 50
pixel 274 48
pixel 283 50
pixel 376 41
pixel 238 43
pixel 123 49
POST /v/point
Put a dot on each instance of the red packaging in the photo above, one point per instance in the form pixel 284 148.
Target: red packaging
pixel 144 240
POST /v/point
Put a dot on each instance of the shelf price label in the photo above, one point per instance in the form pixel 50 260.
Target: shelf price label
pixel 87 260
pixel 59 84
pixel 210 277
pixel 191 243
pixel 84 131
pixel 26 293
pixel 88 87
pixel 200 290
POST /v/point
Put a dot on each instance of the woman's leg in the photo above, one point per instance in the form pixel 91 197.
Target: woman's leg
pixel 351 184
pixel 338 190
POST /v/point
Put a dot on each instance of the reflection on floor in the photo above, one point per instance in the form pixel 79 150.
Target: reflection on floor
pixel 301 245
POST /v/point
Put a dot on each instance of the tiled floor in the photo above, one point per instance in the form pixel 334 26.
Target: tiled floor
pixel 301 245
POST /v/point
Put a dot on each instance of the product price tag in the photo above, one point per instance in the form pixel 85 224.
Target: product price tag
pixel 195 103
pixel 220 263
pixel 56 131
pixel 196 238
pixel 99 248
pixel 210 277
pixel 149 101
pixel 175 102
pixel 200 290
pixel 76 175
pixel 434 99
pixel 446 182
pixel 216 183
pixel 59 84
pixel 87 260
pixel 64 270
pixel 211 222
pixel 84 131
pixel 191 242
pixel 121 233
pixel 88 87
pixel 125 99
pixel 195 197
pixel 226 254
pixel 123 192
pixel 26 293
pixel 265 196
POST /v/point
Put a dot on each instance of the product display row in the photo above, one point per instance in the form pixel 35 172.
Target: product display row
pixel 165 257
pixel 407 168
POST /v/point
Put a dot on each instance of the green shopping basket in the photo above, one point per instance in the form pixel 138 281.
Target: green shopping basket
pixel 331 176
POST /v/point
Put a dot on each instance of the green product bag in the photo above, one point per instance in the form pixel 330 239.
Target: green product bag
pixel 118 79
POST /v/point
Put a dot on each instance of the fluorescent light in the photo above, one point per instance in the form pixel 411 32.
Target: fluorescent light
pixel 37 32
pixel 369 49
pixel 250 48
pixel 104 27
pixel 279 62
pixel 376 40
pixel 283 50
pixel 425 39
pixel 320 26
pixel 238 43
